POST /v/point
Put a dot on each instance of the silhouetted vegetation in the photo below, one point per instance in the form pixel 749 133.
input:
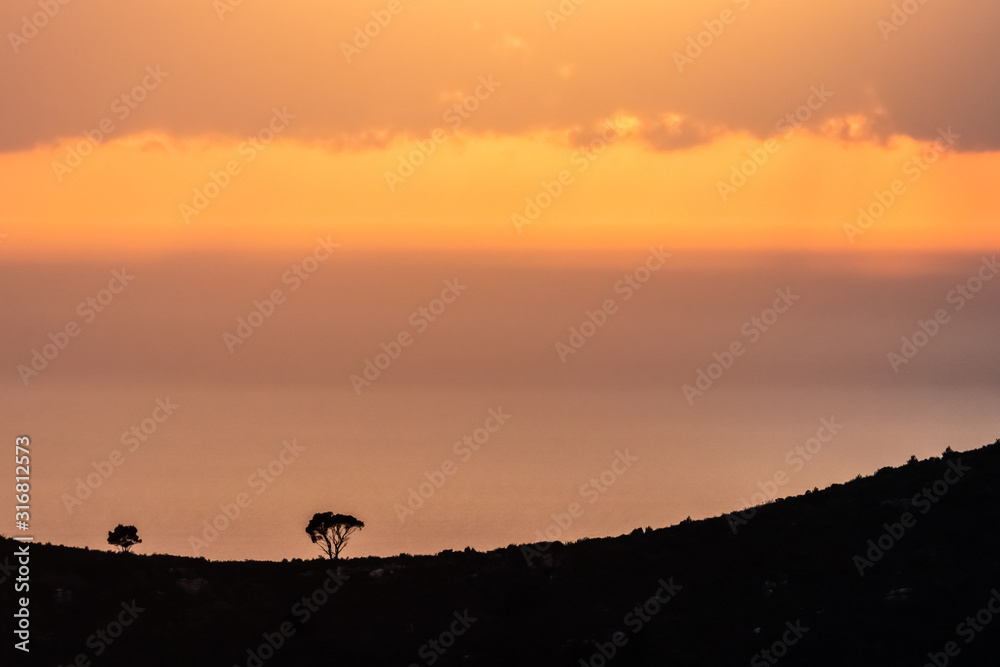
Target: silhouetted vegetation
pixel 793 561
pixel 331 531
pixel 124 537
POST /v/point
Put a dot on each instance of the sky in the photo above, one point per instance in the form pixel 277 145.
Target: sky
pixel 590 202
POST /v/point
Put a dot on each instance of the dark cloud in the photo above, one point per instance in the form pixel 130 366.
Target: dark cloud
pixel 666 135
pixel 225 76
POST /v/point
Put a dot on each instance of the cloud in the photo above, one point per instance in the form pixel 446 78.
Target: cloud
pixel 225 76
pixel 673 132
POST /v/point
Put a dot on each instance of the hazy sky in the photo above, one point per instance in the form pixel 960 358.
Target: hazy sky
pixel 657 174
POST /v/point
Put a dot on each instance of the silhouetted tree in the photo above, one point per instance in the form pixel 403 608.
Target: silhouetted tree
pixel 331 531
pixel 124 537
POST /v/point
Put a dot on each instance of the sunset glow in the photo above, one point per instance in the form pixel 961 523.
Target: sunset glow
pixel 535 151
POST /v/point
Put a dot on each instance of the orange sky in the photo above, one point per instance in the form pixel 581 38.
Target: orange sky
pixel 143 193
pixel 169 105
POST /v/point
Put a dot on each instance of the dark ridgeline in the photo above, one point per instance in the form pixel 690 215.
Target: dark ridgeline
pixel 924 535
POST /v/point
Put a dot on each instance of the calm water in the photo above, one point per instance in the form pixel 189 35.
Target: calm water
pixel 618 396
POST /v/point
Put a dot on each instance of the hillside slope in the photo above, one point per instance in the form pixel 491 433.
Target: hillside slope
pixel 797 578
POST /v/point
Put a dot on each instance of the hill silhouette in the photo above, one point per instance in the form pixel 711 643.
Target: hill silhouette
pixel 889 569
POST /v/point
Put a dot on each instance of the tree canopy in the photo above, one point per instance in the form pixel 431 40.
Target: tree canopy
pixel 124 537
pixel 331 531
